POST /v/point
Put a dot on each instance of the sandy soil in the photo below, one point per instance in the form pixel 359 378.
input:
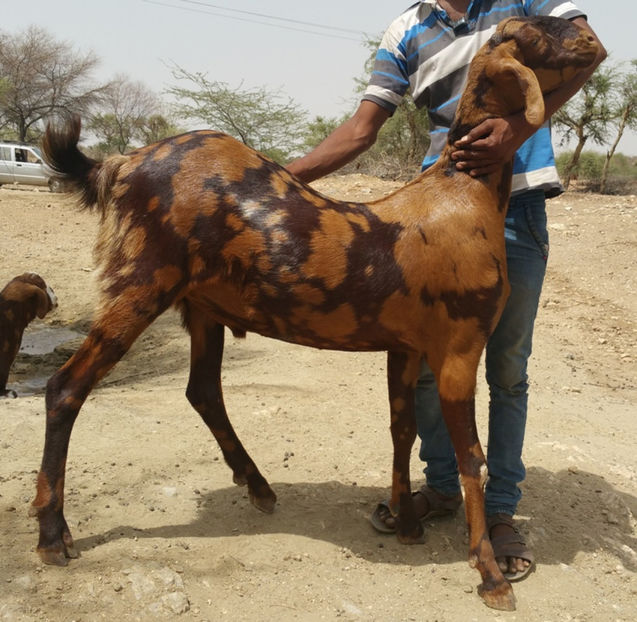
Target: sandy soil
pixel 164 534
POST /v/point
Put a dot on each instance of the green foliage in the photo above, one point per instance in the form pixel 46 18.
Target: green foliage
pixel 260 118
pixel 318 130
pixel 603 109
pixel 622 171
pixel 624 114
pixel 116 136
pixel 627 104
pixel 157 127
pixel 589 113
pixel 106 128
pixel 624 166
pixel 123 115
pixel 405 134
pixel 589 166
pixel 404 138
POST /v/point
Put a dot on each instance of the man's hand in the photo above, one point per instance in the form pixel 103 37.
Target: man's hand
pixel 491 144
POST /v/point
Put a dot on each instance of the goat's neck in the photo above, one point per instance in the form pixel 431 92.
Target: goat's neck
pixel 498 182
pixel 472 110
pixel 448 164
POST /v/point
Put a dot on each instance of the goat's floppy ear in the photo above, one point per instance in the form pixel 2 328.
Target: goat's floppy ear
pixel 41 299
pixel 505 67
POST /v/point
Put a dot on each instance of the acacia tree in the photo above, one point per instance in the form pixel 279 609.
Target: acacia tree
pixel 625 114
pixel 587 115
pixel 318 130
pixel 263 119
pixel 123 113
pixel 156 127
pixel 42 76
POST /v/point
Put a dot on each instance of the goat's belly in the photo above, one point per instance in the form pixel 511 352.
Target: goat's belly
pixel 337 328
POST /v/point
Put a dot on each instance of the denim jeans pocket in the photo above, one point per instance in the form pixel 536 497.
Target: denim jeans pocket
pixel 537 224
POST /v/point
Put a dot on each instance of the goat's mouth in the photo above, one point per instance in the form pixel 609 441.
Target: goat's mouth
pixel 582 59
pixel 585 49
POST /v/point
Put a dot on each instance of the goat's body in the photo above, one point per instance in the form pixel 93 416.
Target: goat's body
pixel 205 224
pixel 267 254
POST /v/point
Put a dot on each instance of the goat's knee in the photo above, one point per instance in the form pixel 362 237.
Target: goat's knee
pixel 202 395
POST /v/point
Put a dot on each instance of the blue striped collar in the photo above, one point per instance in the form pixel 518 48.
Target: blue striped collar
pixel 464 24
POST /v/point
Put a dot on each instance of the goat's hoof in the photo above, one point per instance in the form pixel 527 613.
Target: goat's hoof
pixel 53 557
pixel 499 597
pixel 265 500
pixel 239 480
pixel 59 553
pixel 72 552
pixel 415 536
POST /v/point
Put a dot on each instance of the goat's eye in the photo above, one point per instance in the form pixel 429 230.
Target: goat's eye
pixel 537 40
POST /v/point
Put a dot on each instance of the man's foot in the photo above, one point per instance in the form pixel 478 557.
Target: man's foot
pixel 516 561
pixel 428 503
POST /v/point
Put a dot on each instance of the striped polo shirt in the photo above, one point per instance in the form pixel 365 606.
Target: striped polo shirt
pixel 425 52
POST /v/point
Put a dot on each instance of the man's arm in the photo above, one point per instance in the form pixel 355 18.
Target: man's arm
pixel 495 141
pixel 348 140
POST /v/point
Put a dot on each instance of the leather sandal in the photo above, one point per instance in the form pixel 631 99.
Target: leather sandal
pixel 510 545
pixel 438 505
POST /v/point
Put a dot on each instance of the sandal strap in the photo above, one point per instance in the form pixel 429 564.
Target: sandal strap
pixel 437 502
pixel 511 544
pixel 500 519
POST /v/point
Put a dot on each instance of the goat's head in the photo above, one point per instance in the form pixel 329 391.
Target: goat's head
pixel 36 289
pixel 525 58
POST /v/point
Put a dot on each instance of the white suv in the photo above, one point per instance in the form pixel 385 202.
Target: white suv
pixel 22 164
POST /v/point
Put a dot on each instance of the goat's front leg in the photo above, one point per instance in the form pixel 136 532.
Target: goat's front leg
pixel 402 375
pixel 456 386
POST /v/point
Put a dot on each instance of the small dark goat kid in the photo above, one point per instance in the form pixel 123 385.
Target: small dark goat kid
pixel 23 298
pixel 204 223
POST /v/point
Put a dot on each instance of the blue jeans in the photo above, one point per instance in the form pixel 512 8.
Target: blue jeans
pixel 507 353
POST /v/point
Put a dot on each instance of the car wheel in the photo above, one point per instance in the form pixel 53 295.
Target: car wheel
pixel 56 185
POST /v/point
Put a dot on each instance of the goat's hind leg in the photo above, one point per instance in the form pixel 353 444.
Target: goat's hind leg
pixel 402 375
pixel 205 394
pixel 66 391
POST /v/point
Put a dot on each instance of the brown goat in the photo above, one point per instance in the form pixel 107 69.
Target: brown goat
pixel 23 298
pixel 206 224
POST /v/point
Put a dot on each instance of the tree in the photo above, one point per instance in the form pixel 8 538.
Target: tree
pixel 625 115
pixel 263 119
pixel 125 108
pixel 41 76
pixel 157 127
pixel 587 115
pixel 318 130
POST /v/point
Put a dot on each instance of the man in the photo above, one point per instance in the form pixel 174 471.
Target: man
pixel 427 50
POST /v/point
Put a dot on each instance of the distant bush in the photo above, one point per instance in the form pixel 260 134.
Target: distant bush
pixel 622 178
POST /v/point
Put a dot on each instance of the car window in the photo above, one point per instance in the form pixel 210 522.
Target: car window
pixel 5 153
pixel 31 157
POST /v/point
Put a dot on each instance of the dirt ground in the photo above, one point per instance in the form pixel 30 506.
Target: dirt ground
pixel 163 532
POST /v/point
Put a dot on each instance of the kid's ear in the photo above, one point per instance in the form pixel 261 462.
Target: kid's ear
pixel 43 304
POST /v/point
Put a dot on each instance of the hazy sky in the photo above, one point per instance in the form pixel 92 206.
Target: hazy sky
pixel 313 57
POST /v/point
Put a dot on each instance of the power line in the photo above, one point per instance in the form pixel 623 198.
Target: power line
pixel 281 19
pixel 243 19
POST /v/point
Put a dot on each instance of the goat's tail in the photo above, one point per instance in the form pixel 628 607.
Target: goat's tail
pixel 92 178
